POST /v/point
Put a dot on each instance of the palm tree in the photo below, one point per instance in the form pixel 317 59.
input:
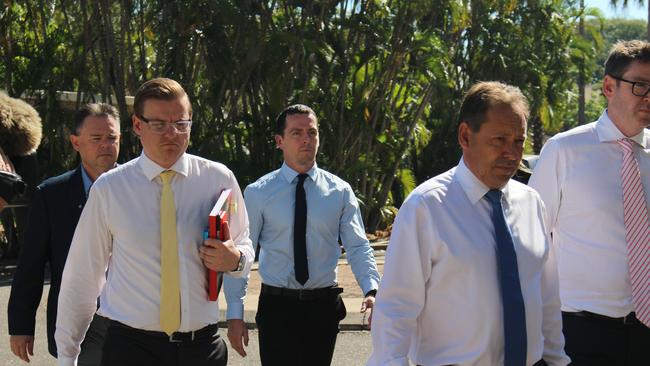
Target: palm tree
pixel 625 3
pixel 581 70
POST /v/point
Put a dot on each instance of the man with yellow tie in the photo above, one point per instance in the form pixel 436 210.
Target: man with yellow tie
pixel 147 219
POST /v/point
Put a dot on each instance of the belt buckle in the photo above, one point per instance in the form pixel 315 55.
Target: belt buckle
pixel 305 295
pixel 172 340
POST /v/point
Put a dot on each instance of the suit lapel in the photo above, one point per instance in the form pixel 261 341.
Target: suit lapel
pixel 77 194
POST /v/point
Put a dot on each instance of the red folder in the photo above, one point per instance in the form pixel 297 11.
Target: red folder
pixel 216 221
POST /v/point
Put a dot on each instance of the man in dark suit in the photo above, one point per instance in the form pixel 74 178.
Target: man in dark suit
pixel 54 214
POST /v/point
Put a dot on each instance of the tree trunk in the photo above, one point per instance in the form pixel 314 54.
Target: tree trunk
pixel 581 72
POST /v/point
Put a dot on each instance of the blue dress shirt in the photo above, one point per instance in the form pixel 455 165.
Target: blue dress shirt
pixel 86 180
pixel 332 213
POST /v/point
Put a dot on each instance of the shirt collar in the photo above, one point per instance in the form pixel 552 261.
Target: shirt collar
pixel 152 170
pixel 608 132
pixel 290 174
pixel 473 187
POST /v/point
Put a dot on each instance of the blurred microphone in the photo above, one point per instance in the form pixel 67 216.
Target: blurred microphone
pixel 20 134
pixel 20 126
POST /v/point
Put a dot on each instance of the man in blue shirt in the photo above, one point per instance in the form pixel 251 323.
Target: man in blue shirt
pixel 297 215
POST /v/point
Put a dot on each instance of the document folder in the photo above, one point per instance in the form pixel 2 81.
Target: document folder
pixel 216 221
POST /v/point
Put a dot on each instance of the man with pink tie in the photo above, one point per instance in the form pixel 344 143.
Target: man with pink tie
pixel 595 182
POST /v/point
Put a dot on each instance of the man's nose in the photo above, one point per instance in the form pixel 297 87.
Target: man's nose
pixel 512 150
pixel 170 129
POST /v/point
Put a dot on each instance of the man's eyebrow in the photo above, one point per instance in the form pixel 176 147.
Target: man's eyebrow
pixel 639 79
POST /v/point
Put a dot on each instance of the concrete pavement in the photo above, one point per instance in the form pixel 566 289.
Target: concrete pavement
pixel 353 345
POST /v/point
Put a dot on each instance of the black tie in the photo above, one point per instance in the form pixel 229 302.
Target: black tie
pixel 514 314
pixel 299 232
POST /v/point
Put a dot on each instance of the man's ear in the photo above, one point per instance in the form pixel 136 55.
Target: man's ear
pixel 74 141
pixel 464 133
pixel 137 125
pixel 609 86
pixel 279 142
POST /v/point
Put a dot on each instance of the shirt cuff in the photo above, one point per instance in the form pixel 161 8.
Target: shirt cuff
pixel 66 361
pixel 369 285
pixel 372 293
pixel 235 310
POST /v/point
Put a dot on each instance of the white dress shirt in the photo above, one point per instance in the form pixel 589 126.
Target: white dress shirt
pixel 578 176
pixel 439 301
pixel 120 227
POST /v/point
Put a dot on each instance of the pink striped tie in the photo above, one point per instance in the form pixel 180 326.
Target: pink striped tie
pixel 637 227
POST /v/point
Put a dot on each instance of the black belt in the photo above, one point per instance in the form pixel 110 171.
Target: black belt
pixel 303 294
pixel 176 337
pixel 626 320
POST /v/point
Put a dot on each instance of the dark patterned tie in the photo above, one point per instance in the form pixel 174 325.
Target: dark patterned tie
pixel 514 315
pixel 300 232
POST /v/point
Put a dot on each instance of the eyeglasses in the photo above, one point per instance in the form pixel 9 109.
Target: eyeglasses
pixel 639 88
pixel 160 127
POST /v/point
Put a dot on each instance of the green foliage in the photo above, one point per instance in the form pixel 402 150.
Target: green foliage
pixel 614 30
pixel 385 77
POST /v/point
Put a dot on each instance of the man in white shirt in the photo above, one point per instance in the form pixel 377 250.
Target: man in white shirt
pixel 469 278
pixel 580 177
pixel 53 217
pixel 147 218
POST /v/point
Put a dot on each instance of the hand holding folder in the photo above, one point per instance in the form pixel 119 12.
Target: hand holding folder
pixel 214 253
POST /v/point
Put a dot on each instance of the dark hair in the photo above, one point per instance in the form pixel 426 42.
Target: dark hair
pixel 161 89
pixel 281 120
pixel 488 94
pixel 95 110
pixel 623 53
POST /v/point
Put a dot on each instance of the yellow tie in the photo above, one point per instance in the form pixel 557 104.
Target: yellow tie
pixel 170 298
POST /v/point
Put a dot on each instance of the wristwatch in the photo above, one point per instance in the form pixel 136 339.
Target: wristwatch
pixel 242 261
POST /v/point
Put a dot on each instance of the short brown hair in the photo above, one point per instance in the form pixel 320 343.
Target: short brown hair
pixel 489 94
pixel 96 110
pixel 281 120
pixel 623 53
pixel 161 89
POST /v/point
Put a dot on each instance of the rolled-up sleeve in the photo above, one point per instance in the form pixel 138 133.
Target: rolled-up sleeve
pixel 235 288
pixel 83 277
pixel 239 229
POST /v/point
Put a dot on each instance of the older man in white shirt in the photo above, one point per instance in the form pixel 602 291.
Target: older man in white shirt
pixel 147 219
pixel 595 182
pixel 469 278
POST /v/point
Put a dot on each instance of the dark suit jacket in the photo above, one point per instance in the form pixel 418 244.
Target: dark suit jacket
pixel 53 217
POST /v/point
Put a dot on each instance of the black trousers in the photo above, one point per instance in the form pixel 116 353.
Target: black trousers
pixel 294 332
pixel 538 363
pixel 594 340
pixel 126 346
pixel 91 348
